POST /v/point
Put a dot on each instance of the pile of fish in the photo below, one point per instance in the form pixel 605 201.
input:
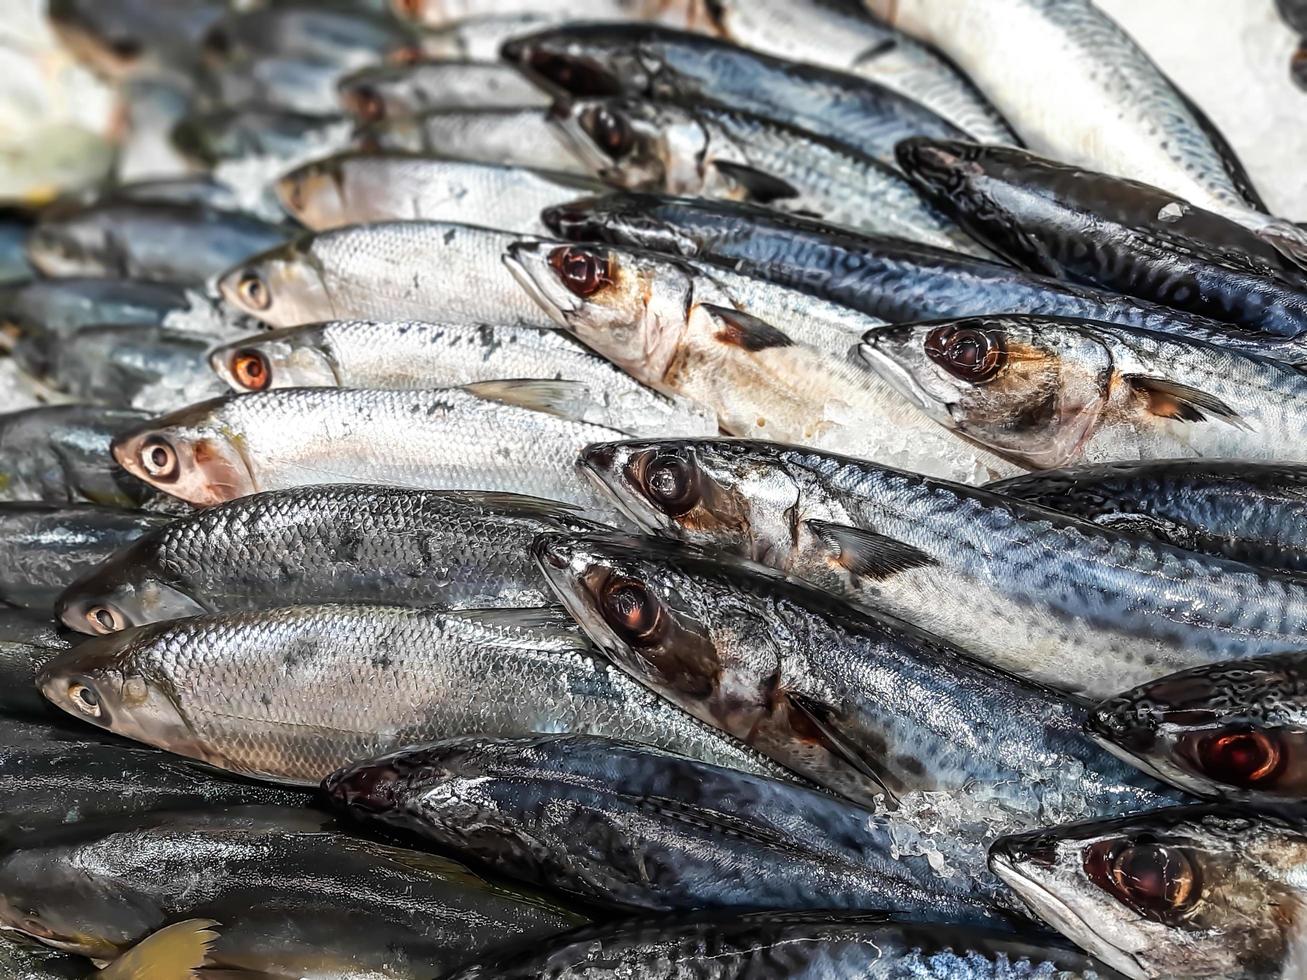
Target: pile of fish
pixel 647 489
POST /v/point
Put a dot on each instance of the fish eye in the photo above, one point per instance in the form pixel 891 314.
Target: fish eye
pixel 368 104
pixel 254 291
pixel 673 484
pixel 582 271
pixel 611 131
pixel 972 355
pixel 251 369
pixel 84 698
pixel 159 459
pixel 1241 757
pixel 1158 881
pixel 632 611
pixel 104 619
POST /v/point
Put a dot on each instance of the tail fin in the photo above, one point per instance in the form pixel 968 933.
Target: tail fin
pixel 173 953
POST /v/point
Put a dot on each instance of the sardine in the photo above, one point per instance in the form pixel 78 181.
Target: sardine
pixel 27 641
pixel 674 331
pixel 351 544
pixel 364 354
pixel 797 945
pixel 289 82
pixel 420 270
pixel 1051 598
pixel 1105 231
pixel 884 277
pixel 511 137
pixel 639 828
pixel 1051 392
pixel 1249 512
pixel 479 37
pixel 336 33
pixel 291 695
pixel 396 91
pixel 706 150
pixel 161 242
pixel 134 366
pixel 295 895
pixel 45 547
pixel 1201 891
pixel 357 188
pixel 199 189
pixel 656 63
pixel 438 13
pixel 122 39
pixel 213 137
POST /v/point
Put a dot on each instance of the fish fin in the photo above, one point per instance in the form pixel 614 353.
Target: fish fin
pixel 173 953
pixel 878 50
pixel 746 330
pixel 763 188
pixel 1173 400
pixel 553 620
pixel 522 504
pixel 565 399
pixel 820 717
pixel 1288 240
pixel 867 553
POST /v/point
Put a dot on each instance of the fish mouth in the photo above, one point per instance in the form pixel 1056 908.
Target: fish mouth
pixel 895 375
pixel 520 271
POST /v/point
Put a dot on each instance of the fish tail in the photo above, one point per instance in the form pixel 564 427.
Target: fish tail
pixel 173 953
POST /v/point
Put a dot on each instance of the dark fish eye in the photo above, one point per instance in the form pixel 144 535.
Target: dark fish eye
pixel 581 271
pixel 251 369
pixel 1236 757
pixel 84 698
pixel 104 619
pixel 972 355
pixel 159 459
pixel 632 611
pixel 611 131
pixel 1158 881
pixel 367 104
pixel 672 484
pixel 255 291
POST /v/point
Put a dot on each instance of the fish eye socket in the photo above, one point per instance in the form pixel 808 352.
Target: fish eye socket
pixel 972 355
pixel 104 619
pixel 1242 757
pixel 1158 881
pixel 251 370
pixel 159 459
pixel 368 104
pixel 632 611
pixel 672 484
pixel 255 291
pixel 611 132
pixel 84 698
pixel 581 271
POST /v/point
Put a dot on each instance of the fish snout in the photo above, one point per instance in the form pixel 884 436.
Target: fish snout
pixel 1018 850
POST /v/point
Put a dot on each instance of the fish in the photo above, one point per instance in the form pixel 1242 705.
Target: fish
pixel 439 13
pixel 444 550
pixel 290 695
pixel 1196 891
pixel 1056 600
pixel 1249 512
pixel 864 705
pixel 45 547
pixel 212 137
pixel 357 188
pixel 885 277
pixel 140 240
pixel 637 828
pixel 1293 13
pixel 388 270
pixel 672 330
pixel 14 228
pixel 479 37
pixel 1099 230
pixel 127 39
pixel 338 34
pixel 172 953
pixel 1077 88
pixel 60 454
pixel 395 91
pixel 799 945
pixel 1232 730
pixel 706 150
pixel 509 137
pixel 27 640
pixel 1051 392
pixel 366 354
pixel 293 83
pixel 201 189
pixel 843 37
pixel 296 895
pixel 657 63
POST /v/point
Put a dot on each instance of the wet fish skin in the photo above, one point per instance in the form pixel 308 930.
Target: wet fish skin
pixel 348 38
pixel 513 137
pixel 1221 868
pixel 293 83
pixel 447 550
pixel 1198 505
pixel 152 241
pixel 357 188
pixel 393 91
pixel 831 692
pixel 420 270
pixel 706 150
pixel 212 137
pixel 440 13
pixel 28 960
pixel 134 366
pixel 1050 392
pixel 799 945
pixel 479 38
pixel 403 355
pixel 1104 231
pixel 639 828
pixel 123 39
pixel 45 547
pixel 27 641
pixel 1111 611
pixel 295 895
pixel 290 695
pixel 652 62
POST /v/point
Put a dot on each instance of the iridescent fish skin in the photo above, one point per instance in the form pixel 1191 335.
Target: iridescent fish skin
pixel 337 34
pixel 509 136
pixel 394 91
pixel 216 136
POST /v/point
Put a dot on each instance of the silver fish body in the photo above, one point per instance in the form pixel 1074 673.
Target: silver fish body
pixel 394 91
pixel 480 36
pixel 439 13
pixel 513 137
pixel 295 84
pixel 134 366
pixel 220 135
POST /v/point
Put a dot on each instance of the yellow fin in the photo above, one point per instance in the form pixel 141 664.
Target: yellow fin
pixel 173 953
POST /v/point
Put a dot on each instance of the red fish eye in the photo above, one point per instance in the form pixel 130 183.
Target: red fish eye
pixel 1243 757
pixel 251 370
pixel 972 355
pixel 1158 881
pixel 611 131
pixel 672 484
pixel 631 610
pixel 581 271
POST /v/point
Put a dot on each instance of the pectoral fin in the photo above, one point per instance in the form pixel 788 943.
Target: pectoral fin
pixel 745 330
pixel 820 718
pixel 867 554
pixel 1181 402
pixel 762 187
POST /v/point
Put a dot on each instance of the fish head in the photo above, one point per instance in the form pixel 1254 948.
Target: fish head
pixel 719 494
pixel 313 194
pixel 636 145
pixel 129 589
pixel 671 620
pixel 192 454
pixel 293 357
pixel 944 168
pixel 578 61
pixel 281 286
pixel 1026 387
pixel 631 307
pixel 1201 891
pixel 1234 730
